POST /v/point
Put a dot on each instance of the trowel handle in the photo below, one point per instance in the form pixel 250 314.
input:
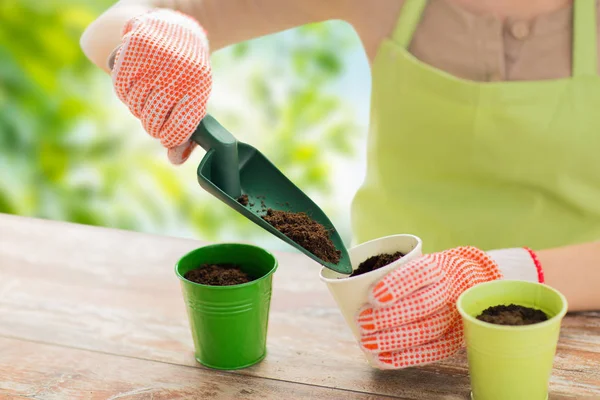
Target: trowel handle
pixel 212 136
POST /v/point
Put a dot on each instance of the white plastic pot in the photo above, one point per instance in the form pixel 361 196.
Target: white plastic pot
pixel 351 293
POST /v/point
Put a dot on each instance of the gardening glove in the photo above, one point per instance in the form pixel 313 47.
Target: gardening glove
pixel 411 318
pixel 162 73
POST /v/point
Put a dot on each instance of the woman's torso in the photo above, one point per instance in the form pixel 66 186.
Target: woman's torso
pixel 460 158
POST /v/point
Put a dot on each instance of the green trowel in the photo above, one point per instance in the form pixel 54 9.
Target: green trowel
pixel 231 169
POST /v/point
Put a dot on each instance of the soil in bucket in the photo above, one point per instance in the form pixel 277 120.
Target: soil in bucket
pixel 512 315
pixel 218 275
pixel 305 231
pixel 376 262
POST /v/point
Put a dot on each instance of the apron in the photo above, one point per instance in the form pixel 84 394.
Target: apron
pixel 492 165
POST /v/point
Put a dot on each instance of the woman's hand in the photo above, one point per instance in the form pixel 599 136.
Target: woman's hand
pixel 162 73
pixel 412 318
pixel 161 66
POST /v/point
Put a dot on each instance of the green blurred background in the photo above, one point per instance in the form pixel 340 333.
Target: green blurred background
pixel 71 151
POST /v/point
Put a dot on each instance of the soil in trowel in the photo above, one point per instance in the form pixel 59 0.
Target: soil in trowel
pixel 305 231
pixel 243 200
pixel 376 262
pixel 512 315
pixel 218 275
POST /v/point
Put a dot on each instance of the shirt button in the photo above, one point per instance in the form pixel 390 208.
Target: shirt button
pixel 520 30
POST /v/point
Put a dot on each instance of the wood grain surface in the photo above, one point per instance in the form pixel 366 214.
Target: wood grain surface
pixel 54 372
pixel 94 302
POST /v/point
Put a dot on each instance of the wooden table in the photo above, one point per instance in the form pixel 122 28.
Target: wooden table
pixel 92 313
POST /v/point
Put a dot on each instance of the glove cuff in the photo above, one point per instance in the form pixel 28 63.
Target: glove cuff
pixel 519 264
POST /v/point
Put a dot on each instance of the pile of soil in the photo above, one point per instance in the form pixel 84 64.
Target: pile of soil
pixel 218 275
pixel 512 315
pixel 305 231
pixel 376 262
pixel 243 200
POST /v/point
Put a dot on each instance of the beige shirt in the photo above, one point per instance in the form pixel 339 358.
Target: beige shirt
pixel 480 40
pixel 483 48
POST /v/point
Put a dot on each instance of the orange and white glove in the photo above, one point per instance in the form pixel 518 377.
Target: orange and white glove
pixel 411 318
pixel 162 73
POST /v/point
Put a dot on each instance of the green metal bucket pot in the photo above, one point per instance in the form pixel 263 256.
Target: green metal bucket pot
pixel 229 323
pixel 511 362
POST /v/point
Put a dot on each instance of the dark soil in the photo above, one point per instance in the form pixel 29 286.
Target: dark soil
pixel 305 231
pixel 218 275
pixel 376 262
pixel 243 200
pixel 512 315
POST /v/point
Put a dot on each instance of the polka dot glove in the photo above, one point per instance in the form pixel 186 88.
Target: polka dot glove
pixel 412 318
pixel 162 73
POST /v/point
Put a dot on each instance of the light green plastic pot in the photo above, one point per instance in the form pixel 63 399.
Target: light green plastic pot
pixel 229 323
pixel 511 362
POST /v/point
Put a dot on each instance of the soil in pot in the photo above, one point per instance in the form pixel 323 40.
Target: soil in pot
pixel 305 231
pixel 512 315
pixel 376 262
pixel 218 275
